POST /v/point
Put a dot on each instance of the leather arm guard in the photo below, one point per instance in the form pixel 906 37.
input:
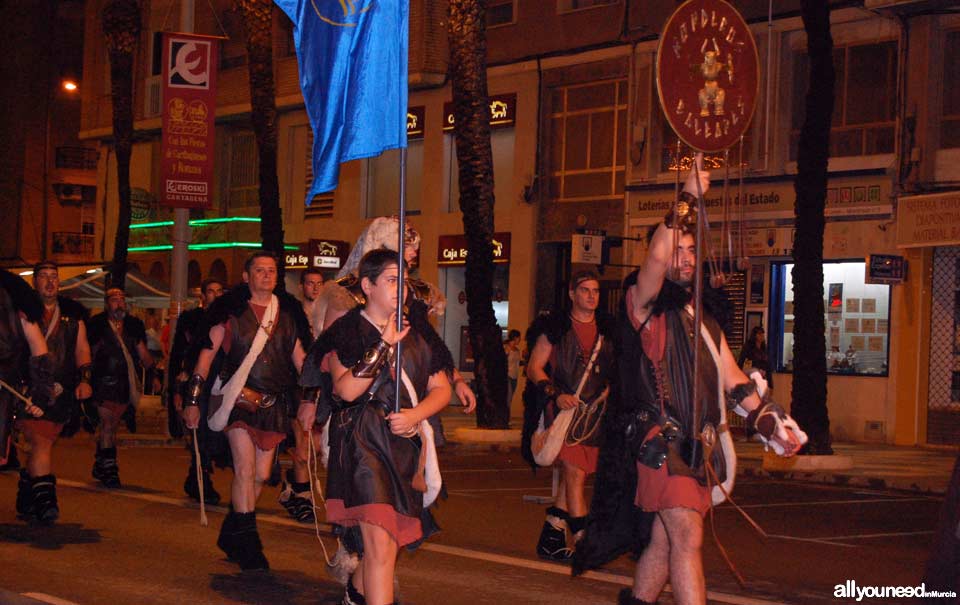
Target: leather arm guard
pixel 191 395
pixel 757 384
pixel 85 373
pixel 772 423
pixel 43 390
pixel 548 390
pixel 683 214
pixel 372 361
pixel 310 395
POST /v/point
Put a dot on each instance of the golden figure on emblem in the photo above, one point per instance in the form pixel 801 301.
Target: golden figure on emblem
pixel 711 69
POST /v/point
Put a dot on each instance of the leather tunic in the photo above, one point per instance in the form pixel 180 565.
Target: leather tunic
pixel 274 371
pixel 62 344
pixel 110 379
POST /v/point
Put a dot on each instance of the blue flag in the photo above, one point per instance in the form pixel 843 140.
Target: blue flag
pixel 353 74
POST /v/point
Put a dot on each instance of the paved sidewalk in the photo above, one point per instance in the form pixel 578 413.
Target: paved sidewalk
pixel 877 466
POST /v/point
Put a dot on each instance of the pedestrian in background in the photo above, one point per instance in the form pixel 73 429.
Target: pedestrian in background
pixel 754 354
pixel 511 347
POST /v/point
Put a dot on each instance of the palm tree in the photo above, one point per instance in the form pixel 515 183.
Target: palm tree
pixel 121 28
pixel 809 393
pixel 258 27
pixel 468 74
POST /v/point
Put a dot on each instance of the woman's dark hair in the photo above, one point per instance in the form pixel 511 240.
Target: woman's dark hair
pixel 376 262
pixel 752 340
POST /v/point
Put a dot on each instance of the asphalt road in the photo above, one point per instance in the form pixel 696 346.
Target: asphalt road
pixel 144 544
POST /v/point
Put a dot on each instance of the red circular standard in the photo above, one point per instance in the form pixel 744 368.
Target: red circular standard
pixel 708 74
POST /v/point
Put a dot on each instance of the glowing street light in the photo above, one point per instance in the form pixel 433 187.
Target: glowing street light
pixel 69 85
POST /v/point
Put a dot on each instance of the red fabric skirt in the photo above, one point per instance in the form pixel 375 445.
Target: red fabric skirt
pixel 403 529
pixel 581 456
pixel 114 406
pixel 264 440
pixel 37 426
pixel 658 490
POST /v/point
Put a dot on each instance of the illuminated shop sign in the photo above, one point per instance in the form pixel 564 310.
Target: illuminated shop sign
pixel 415 118
pixel 452 249
pixel 503 112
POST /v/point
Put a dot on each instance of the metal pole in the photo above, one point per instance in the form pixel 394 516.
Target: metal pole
pixel 698 302
pixel 401 228
pixel 181 216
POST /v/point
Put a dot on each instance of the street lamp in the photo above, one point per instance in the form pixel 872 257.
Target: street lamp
pixel 69 86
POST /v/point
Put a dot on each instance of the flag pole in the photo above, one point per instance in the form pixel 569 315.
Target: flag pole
pixel 401 246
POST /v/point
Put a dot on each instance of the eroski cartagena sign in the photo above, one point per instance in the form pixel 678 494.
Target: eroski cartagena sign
pixel 189 103
pixel 708 74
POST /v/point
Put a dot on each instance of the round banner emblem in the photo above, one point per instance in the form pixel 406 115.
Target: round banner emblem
pixel 708 74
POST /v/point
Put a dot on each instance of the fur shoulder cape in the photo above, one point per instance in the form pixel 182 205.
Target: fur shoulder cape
pixel 97 328
pixel 234 303
pixel 554 324
pixel 25 299
pixel 73 309
pixel 672 297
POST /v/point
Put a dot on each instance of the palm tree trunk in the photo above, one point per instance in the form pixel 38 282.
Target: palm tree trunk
pixel 258 27
pixel 468 74
pixel 121 28
pixel 809 393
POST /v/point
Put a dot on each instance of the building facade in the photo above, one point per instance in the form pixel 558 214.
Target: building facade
pixel 580 144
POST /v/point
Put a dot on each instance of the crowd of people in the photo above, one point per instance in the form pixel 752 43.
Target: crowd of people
pixel 254 370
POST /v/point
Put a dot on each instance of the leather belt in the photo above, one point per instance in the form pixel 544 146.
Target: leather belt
pixel 250 400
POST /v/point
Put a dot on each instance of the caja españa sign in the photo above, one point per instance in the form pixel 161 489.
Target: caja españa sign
pixel 708 74
pixel 452 249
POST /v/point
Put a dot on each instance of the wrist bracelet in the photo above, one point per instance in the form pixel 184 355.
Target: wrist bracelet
pixel 85 373
pixel 194 390
pixel 548 389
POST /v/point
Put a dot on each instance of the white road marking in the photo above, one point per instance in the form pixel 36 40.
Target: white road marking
pixel 565 571
pixel 824 502
pixel 438 548
pixel 39 596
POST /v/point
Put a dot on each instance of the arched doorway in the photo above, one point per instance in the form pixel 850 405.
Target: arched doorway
pixel 194 277
pixel 218 271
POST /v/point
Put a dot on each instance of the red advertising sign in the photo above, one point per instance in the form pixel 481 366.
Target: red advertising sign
pixel 189 103
pixel 708 74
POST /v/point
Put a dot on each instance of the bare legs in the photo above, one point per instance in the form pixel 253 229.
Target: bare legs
pixel 251 468
pixel 674 551
pixel 374 575
pixel 40 460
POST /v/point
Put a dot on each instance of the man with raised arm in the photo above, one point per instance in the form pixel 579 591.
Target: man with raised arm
pixel 667 452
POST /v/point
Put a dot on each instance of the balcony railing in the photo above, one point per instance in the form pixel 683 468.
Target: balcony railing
pixel 73 243
pixel 82 158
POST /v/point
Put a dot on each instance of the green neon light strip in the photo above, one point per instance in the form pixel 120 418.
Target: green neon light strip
pixel 205 246
pixel 200 222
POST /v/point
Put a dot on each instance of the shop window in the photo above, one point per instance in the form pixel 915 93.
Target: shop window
pixel 383 181
pixel 856 318
pixel 454 322
pixel 501 12
pixel 587 141
pixel 950 120
pixel 501 143
pixel 864 99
